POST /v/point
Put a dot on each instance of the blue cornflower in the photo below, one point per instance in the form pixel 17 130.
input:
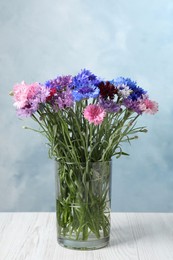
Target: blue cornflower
pixel 85 92
pixel 136 91
pixel 85 79
pixel 85 85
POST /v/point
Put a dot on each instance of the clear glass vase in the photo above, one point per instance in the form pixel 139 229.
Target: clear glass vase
pixel 83 203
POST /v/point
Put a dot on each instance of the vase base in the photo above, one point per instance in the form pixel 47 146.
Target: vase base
pixel 84 245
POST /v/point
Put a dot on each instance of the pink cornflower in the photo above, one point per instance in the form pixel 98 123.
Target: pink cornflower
pixel 94 114
pixel 148 106
pixel 28 97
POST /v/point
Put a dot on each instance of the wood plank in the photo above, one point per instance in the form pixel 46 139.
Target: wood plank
pixel 153 234
pixel 134 236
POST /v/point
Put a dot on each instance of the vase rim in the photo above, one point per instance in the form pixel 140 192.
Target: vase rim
pixel 85 162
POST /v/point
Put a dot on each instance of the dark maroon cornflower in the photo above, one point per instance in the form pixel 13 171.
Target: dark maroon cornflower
pixel 107 90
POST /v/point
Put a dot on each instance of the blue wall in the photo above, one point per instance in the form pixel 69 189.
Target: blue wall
pixel 41 39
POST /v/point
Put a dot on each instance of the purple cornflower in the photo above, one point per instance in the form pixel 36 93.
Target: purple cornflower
pixel 60 82
pixel 61 95
pixel 134 105
pixel 109 105
pixel 63 99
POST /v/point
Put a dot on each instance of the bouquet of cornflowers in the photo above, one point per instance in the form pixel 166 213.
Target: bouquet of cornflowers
pixel 86 120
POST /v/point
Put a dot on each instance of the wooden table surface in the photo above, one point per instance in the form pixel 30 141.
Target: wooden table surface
pixel 134 236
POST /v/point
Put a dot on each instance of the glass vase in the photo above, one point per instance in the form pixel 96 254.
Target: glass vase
pixel 83 203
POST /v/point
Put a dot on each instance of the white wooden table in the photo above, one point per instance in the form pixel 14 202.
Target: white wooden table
pixel 134 236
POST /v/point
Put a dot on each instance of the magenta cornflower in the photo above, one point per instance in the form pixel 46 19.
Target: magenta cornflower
pixel 94 114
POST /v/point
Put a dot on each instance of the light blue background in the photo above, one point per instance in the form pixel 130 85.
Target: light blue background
pixel 40 39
